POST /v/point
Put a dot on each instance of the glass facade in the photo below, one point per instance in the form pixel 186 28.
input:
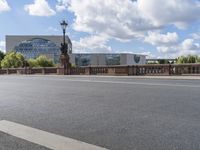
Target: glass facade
pixel 36 47
pixel 83 59
pixel 112 59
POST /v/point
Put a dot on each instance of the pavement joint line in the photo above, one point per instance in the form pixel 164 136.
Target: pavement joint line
pixel 44 138
pixel 120 77
pixel 133 83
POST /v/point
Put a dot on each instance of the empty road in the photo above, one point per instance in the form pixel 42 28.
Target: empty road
pixel 117 113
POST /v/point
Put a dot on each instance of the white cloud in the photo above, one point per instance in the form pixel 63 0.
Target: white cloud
pixel 177 12
pixel 155 38
pixel 169 45
pixel 39 8
pixel 128 19
pixel 196 36
pixel 62 5
pixel 187 46
pixel 52 29
pixel 60 8
pixel 149 55
pixel 190 44
pixel 118 19
pixel 2 45
pixel 4 6
pixel 92 44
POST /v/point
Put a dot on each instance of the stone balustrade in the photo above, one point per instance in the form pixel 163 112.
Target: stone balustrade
pixel 136 70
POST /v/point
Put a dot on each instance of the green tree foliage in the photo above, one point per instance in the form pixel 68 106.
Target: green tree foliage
pixel 13 60
pixel 198 60
pixel 163 61
pixel 188 59
pixel 33 63
pixel 41 61
pixel 2 55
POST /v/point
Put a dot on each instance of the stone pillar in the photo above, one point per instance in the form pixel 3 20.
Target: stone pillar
pixel 88 70
pixel 43 71
pixel 65 64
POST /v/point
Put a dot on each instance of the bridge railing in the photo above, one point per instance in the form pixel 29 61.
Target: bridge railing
pixel 135 70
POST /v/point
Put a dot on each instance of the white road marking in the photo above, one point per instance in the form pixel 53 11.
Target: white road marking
pixel 132 83
pixel 43 138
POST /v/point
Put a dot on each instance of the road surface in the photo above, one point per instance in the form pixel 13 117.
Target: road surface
pixel 117 113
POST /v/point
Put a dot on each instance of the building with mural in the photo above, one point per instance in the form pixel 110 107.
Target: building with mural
pixel 95 59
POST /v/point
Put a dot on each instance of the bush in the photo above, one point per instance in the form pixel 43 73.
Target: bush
pixel 13 60
pixel 41 61
pixel 33 63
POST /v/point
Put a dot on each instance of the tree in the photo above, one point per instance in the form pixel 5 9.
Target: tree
pixel 188 59
pixel 13 60
pixel 43 61
pixel 163 61
pixel 181 60
pixel 198 60
pixel 2 55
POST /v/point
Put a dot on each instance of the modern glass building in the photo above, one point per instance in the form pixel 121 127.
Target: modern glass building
pixel 34 46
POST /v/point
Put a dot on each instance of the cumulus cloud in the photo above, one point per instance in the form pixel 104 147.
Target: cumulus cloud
pixel 118 19
pixel 92 44
pixel 2 46
pixel 62 5
pixel 39 8
pixel 126 20
pixel 195 36
pixel 4 6
pixel 149 55
pixel 187 46
pixel 190 44
pixel 156 38
pixel 169 44
pixel 177 12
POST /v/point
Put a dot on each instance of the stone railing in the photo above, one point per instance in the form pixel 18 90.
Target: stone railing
pixel 136 70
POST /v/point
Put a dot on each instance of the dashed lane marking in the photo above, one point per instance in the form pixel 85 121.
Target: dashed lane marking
pixel 44 138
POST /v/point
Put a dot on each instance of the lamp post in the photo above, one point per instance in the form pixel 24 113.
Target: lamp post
pixel 64 25
pixel 64 57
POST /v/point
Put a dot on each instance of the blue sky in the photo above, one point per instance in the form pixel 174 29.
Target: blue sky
pixel 157 28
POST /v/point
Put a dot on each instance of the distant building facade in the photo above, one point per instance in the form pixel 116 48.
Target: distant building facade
pixel 34 46
pixel 107 59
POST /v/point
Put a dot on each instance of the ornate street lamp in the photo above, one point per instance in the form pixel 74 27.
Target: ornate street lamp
pixel 64 46
pixel 64 25
pixel 64 57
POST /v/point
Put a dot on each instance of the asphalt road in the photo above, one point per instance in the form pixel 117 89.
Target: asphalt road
pixel 112 112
